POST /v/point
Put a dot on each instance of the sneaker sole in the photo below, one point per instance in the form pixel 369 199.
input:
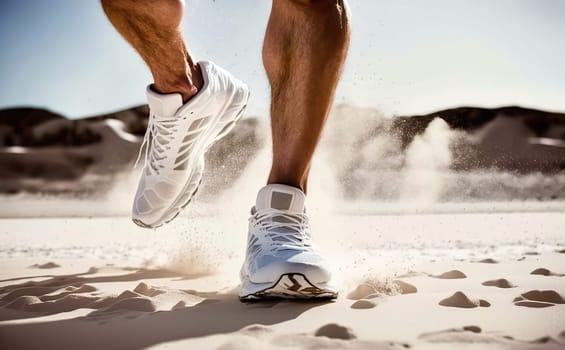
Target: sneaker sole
pixel 142 224
pixel 292 286
pixel 178 205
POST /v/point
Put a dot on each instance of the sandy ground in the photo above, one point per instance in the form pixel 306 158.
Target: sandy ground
pixel 428 281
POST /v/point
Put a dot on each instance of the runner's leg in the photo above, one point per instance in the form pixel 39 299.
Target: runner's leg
pixel 153 28
pixel 304 51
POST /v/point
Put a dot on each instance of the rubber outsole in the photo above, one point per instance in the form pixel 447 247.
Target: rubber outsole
pixel 292 286
pixel 142 224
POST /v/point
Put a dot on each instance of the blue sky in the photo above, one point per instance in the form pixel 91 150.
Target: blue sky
pixel 406 56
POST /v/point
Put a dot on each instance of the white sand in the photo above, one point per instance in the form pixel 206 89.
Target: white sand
pixel 106 284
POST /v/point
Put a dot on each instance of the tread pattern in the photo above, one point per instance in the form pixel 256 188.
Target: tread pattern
pixel 294 286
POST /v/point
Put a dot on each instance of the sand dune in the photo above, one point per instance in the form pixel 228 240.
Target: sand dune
pixel 459 155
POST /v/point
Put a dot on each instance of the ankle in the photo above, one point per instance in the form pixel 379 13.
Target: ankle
pixel 184 88
pixel 187 84
pixel 301 184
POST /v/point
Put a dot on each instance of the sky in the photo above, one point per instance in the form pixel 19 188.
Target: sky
pixel 406 57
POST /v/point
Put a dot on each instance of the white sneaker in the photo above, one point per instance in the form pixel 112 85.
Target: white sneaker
pixel 176 139
pixel 281 261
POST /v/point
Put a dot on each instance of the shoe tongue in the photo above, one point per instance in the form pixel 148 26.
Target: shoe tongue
pixel 282 197
pixel 163 106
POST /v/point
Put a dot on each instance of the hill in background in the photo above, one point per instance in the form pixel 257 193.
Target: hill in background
pixel 371 156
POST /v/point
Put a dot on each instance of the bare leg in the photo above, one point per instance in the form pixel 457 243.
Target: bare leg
pixel 305 47
pixel 153 28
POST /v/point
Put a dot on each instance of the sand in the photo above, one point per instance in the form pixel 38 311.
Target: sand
pixel 423 281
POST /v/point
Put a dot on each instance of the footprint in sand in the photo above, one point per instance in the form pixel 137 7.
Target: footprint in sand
pixel 500 283
pixel 545 272
pixel 459 299
pixel 453 274
pixel 539 299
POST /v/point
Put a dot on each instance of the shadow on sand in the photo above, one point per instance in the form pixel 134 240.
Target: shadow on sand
pixel 125 329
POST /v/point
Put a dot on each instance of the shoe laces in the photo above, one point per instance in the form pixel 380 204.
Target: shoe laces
pixel 156 142
pixel 280 231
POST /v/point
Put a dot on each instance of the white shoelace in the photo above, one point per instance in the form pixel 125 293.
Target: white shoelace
pixel 157 137
pixel 282 231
